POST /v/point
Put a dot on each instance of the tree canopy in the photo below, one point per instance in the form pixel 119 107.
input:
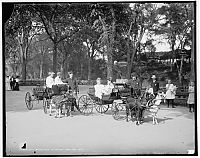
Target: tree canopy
pixel 88 37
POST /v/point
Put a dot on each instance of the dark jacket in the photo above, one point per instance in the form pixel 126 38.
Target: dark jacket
pixel 135 84
pixel 73 84
pixel 155 86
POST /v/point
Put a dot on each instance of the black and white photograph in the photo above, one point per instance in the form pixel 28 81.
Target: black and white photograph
pixel 116 78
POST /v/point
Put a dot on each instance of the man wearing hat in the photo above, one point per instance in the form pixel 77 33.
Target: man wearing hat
pixel 50 80
pixel 73 85
pixel 135 85
pixel 155 85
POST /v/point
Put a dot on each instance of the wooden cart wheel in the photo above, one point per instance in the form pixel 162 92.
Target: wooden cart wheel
pixel 116 110
pixel 28 101
pixel 85 104
pixel 102 108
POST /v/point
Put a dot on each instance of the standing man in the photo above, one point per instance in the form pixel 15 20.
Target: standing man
pixel 155 85
pixel 135 85
pixel 73 86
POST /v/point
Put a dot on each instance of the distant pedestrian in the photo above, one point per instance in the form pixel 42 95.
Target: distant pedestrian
pixel 16 85
pixel 12 83
pixel 170 93
pixel 190 100
pixel 8 88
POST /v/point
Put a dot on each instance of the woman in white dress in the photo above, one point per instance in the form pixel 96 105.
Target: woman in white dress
pixel 99 88
pixel 170 93
pixel 190 100
pixel 109 87
pixel 8 88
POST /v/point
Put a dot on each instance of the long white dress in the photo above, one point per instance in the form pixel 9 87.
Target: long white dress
pixel 191 95
pixel 8 84
pixel 171 91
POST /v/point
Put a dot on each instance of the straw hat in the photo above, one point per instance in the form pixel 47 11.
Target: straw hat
pixel 51 73
pixel 58 73
pixel 153 76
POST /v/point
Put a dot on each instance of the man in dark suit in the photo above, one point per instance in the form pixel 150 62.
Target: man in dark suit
pixel 155 85
pixel 73 86
pixel 135 85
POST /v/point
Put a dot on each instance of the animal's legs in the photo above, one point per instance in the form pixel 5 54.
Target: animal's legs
pixel 127 112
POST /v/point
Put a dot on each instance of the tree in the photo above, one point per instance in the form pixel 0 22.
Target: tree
pixel 143 20
pixel 58 24
pixel 177 28
pixel 40 57
pixel 20 27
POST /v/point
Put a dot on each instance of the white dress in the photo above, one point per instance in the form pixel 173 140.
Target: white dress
pixel 8 84
pixel 191 95
pixel 58 80
pixel 99 88
pixel 49 81
pixel 108 89
pixel 171 91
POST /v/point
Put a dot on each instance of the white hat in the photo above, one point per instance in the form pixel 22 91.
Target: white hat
pixel 153 76
pixel 51 73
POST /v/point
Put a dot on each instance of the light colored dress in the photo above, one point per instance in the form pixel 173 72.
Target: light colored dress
pixel 49 82
pixel 58 80
pixel 99 88
pixel 108 89
pixel 8 84
pixel 171 91
pixel 191 95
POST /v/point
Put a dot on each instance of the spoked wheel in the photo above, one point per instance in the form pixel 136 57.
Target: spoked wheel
pixel 117 110
pixel 85 104
pixel 28 101
pixel 102 108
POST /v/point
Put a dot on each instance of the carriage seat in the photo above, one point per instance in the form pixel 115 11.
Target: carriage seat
pixel 105 98
pixel 59 89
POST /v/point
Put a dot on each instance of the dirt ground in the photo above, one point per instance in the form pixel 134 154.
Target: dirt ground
pixel 96 134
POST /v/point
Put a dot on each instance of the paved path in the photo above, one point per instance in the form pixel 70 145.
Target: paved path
pixel 94 134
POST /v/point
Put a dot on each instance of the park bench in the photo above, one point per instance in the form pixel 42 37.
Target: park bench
pixel 181 96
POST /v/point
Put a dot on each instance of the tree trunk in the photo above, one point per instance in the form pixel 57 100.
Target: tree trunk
pixel 130 65
pixel 109 65
pixel 192 71
pixel 180 71
pixel 55 58
pixel 41 70
pixel 128 60
pixel 23 68
pixel 81 71
pixel 89 68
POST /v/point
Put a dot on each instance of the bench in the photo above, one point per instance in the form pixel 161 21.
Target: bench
pixel 181 98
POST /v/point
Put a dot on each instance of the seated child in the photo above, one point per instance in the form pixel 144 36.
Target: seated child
pixel 99 88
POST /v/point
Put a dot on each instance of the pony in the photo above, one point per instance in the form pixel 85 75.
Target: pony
pixel 146 102
pixel 133 107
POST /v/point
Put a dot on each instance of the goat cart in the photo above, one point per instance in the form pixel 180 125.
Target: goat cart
pixel 87 103
pixel 38 94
